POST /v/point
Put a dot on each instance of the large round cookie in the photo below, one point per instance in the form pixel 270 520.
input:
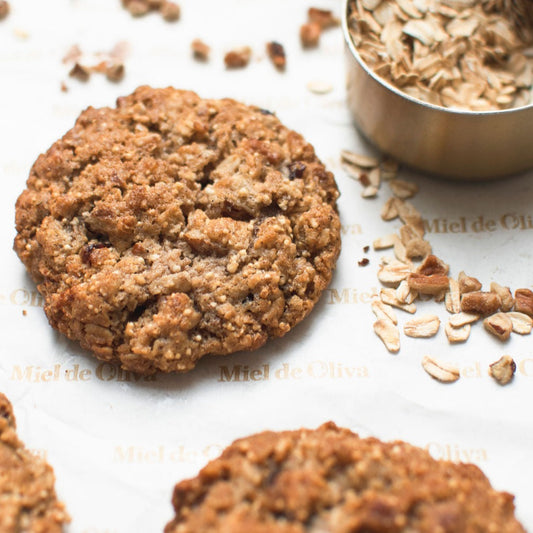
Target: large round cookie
pixel 173 227
pixel 330 480
pixel 28 501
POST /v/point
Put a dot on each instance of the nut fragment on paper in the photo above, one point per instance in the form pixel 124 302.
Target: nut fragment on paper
pixel 503 369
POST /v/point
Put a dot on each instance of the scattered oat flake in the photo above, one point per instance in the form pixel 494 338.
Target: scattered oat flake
pixel 441 371
pixel 424 326
pixel 382 243
pixel 393 272
pixel 453 297
pixel 522 323
pixel 403 189
pixel 383 311
pixel 319 87
pixel 389 210
pixel 405 294
pixel 388 296
pixel 360 160
pixel 369 192
pixel 462 319
pixel 21 34
pixel 389 334
pixel 503 369
pixel 457 334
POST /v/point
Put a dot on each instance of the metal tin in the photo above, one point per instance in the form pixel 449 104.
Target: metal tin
pixel 452 143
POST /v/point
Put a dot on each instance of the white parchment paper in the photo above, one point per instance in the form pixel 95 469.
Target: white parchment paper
pixel 119 444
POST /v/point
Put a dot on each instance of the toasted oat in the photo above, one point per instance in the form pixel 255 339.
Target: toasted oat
pixel 461 319
pixel 383 311
pixel 382 243
pixel 403 189
pixel 505 295
pixel 4 9
pixel 389 210
pixel 374 177
pixel 499 325
pixel 503 369
pixel 441 371
pixel 389 334
pixel 400 251
pixel 200 50
pixel 391 273
pixel 405 294
pixel 319 87
pixel 453 297
pixel 480 303
pixel 524 301
pixel 432 265
pixel 459 334
pixel 468 283
pixel 369 192
pixel 359 160
pixel 424 326
pixel 323 17
pixel 522 323
pixel 238 58
pixel 276 52
pixel 415 245
pixel 409 215
pixel 388 296
pixel 389 169
pixel 310 34
pixel 434 284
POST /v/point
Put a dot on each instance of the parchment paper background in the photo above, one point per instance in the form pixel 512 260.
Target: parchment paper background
pixel 117 445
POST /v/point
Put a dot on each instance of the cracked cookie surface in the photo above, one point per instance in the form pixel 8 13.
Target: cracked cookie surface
pixel 330 480
pixel 173 227
pixel 28 501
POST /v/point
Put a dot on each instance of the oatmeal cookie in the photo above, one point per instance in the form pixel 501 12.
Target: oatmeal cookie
pixel 173 227
pixel 28 500
pixel 331 480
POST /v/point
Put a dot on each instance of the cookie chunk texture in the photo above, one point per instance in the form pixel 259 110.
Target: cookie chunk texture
pixel 173 227
pixel 28 502
pixel 330 480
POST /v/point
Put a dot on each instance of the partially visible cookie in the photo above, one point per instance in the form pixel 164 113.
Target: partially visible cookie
pixel 28 501
pixel 330 480
pixel 172 227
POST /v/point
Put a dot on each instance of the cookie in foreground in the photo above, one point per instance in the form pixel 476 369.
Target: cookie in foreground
pixel 330 480
pixel 28 500
pixel 173 227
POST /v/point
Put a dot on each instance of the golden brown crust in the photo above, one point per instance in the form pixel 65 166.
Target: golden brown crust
pixel 173 227
pixel 28 502
pixel 331 480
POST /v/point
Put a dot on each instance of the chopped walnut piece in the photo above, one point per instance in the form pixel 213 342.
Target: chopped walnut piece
pixel 79 72
pixel 505 295
pixel 4 9
pixel 459 334
pixel 323 17
pixel 310 34
pixel 499 325
pixel 433 284
pixel 170 11
pixel 524 301
pixel 503 369
pixel 522 323
pixel 114 72
pixel 441 371
pixel 383 311
pixel 276 52
pixel 468 283
pixel 238 58
pixel 432 265
pixel 453 298
pixel 480 303
pixel 200 50
pixel 424 326
pixel 389 334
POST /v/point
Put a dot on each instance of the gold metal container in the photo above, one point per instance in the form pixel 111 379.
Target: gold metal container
pixel 452 143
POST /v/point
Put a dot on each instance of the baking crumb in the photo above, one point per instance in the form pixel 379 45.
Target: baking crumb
pixel 366 249
pixel 200 50
pixel 310 34
pixel 238 58
pixel 276 52
pixel 79 72
pixel 21 34
pixel 4 9
pixel 364 262
pixel 323 17
pixel 114 72
pixel 64 87
pixel 170 11
pixel 24 312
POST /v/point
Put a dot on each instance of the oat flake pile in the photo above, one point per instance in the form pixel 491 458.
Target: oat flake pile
pixel 467 54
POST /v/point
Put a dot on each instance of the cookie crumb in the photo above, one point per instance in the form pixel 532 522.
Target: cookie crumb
pixel 364 262
pixel 200 50
pixel 24 312
pixel 238 58
pixel 114 72
pixel 366 249
pixel 276 52
pixel 4 9
pixel 79 72
pixel 64 88
pixel 310 34
pixel 170 11
pixel 323 17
